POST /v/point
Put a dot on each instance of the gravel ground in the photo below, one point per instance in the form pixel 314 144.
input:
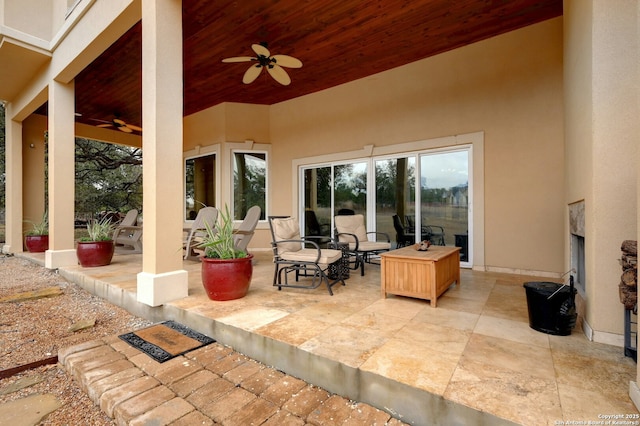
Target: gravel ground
pixel 32 330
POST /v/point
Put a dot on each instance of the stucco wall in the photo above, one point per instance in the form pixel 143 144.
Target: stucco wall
pixel 509 87
pixel 33 132
pixel 601 100
pixel 19 15
pixel 228 122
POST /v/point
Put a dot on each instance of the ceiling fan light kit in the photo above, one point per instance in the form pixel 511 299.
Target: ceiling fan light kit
pixel 263 59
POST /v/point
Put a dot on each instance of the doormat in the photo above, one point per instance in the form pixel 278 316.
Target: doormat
pixel 166 340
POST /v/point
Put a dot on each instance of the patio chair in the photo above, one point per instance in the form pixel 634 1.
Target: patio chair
pixel 351 230
pixel 198 229
pixel 436 234
pixel 247 228
pixel 127 236
pixel 346 212
pixel 402 238
pixel 313 228
pixel 432 233
pixel 302 257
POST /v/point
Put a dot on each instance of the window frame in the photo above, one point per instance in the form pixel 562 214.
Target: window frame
pixel 474 142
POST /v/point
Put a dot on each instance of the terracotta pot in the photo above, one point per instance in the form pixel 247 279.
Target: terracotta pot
pixel 37 243
pixel 227 279
pixel 94 253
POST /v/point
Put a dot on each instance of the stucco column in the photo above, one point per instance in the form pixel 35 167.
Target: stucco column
pixel 13 189
pixel 162 278
pixel 61 176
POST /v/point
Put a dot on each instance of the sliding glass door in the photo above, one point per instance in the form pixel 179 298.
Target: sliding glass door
pixel 416 196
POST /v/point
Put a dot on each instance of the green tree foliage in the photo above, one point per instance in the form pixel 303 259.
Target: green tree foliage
pixel 395 181
pixel 324 186
pixel 108 177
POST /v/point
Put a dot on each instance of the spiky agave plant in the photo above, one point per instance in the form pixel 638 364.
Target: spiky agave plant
pixel 99 230
pixel 218 242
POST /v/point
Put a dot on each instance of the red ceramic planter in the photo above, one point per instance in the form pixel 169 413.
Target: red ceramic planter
pixel 37 243
pixel 227 279
pixel 94 253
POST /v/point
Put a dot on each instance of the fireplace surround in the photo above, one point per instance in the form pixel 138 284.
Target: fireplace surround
pixel 577 234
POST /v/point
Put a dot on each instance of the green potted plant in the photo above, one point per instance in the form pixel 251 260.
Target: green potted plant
pixel 37 239
pixel 97 248
pixel 226 271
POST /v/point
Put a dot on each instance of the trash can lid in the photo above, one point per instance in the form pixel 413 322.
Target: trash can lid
pixel 546 288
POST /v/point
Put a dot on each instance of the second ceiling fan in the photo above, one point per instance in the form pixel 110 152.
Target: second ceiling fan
pixel 118 124
pixel 273 64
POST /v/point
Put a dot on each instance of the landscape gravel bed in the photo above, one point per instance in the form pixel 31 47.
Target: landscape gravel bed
pixel 35 329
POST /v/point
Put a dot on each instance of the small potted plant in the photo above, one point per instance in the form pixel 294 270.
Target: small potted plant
pixel 37 239
pixel 97 248
pixel 226 271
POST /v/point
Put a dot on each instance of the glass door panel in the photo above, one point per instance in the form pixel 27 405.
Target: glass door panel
pixel 350 188
pixel 444 198
pixel 317 201
pixel 395 195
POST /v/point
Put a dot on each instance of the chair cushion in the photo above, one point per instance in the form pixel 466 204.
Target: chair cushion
pixel 327 256
pixel 370 246
pixel 287 229
pixel 352 225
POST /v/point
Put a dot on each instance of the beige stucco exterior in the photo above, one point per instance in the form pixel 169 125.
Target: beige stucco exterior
pixel 553 110
pixel 601 142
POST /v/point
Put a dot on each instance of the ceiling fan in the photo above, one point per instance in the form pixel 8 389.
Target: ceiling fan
pixel 273 64
pixel 118 124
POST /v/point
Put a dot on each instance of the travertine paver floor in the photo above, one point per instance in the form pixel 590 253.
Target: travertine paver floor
pixel 474 353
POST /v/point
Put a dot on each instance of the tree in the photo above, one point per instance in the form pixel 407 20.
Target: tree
pixel 108 177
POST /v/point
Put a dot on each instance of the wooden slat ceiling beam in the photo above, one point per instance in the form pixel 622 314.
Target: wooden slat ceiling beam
pixel 337 40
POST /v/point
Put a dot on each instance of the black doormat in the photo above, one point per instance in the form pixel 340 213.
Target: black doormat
pixel 166 340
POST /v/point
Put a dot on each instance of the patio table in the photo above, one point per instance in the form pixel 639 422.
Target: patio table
pixel 420 274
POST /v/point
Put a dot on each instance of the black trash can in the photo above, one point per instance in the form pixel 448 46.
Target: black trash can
pixel 552 307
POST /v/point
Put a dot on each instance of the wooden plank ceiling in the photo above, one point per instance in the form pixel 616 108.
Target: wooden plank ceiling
pixel 337 40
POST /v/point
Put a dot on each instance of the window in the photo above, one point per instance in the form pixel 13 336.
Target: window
pixel 249 183
pixel 200 184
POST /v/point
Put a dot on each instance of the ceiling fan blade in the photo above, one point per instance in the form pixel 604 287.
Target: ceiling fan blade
pixel 136 128
pixel 260 50
pixel 100 121
pixel 279 74
pixel 251 74
pixel 119 122
pixel 125 129
pixel 287 61
pixel 239 59
pixel 105 125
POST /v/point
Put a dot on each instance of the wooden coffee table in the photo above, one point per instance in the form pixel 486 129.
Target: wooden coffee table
pixel 420 274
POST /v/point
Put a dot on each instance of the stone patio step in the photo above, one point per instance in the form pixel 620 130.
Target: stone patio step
pixel 209 385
